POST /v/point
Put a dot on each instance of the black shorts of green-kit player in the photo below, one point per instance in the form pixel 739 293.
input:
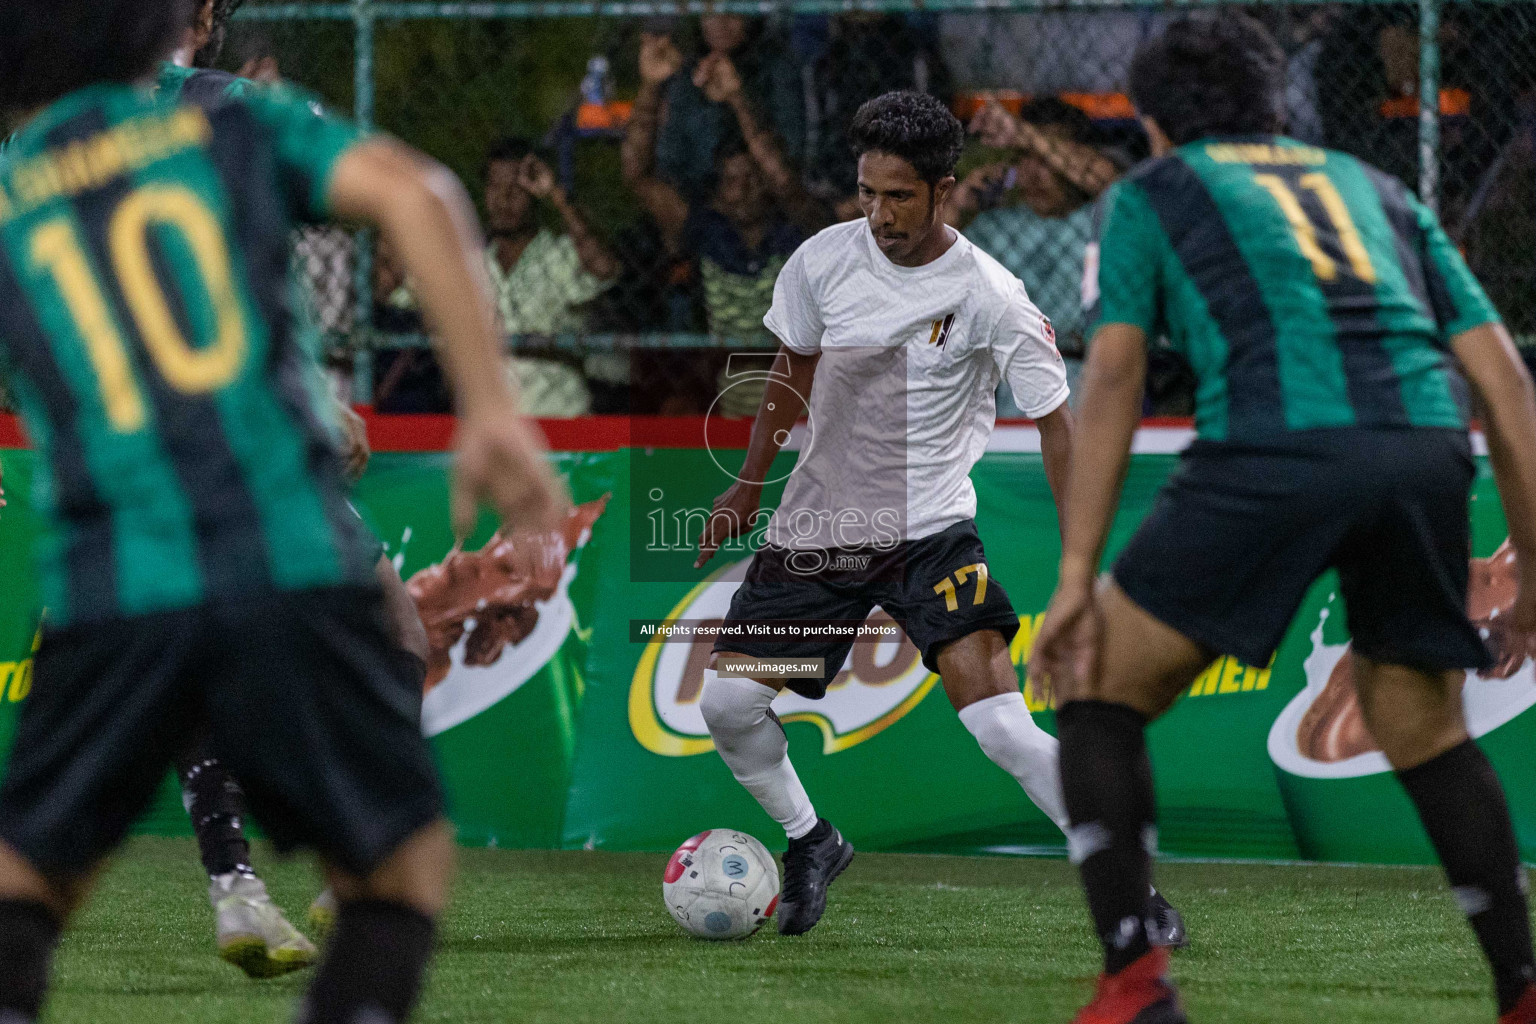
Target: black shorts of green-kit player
pixel 937 588
pixel 307 704
pixel 1241 531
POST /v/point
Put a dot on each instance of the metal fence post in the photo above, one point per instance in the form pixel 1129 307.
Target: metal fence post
pixel 362 316
pixel 1429 103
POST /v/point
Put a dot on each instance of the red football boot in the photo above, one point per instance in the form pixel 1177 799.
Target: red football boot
pixel 1140 994
pixel 1524 1011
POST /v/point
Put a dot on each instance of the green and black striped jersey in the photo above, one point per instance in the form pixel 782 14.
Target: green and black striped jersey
pixel 146 328
pixel 204 86
pixel 1307 289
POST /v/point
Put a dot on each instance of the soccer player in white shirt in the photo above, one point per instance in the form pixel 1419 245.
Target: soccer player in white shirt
pixel 895 330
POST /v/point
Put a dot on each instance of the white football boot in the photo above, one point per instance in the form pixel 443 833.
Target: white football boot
pixel 252 932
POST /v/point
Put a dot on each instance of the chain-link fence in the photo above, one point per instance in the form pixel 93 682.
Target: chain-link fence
pixel 645 168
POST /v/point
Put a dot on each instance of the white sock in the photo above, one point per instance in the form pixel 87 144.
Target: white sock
pixel 753 745
pixel 1009 736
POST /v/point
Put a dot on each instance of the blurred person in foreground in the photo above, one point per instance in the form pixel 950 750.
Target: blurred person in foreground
pixel 196 554
pixel 1053 179
pixel 1334 329
pixel 541 277
pixel 696 121
pixel 758 213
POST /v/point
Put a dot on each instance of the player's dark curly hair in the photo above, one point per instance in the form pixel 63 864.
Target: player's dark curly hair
pixel 1211 75
pixel 913 126
pixel 223 10
pixel 52 47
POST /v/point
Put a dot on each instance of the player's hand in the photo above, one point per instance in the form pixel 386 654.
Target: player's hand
pixel 355 451
pixel 731 514
pixel 717 76
pixel 995 127
pixel 535 177
pixel 1066 654
pixel 501 462
pixel 659 58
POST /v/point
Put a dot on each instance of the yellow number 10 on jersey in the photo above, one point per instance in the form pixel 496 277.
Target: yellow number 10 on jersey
pixel 56 250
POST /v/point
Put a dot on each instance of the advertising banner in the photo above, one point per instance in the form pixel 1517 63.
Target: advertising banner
pixel 563 692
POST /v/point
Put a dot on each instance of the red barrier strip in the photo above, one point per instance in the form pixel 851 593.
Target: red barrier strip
pixel 431 433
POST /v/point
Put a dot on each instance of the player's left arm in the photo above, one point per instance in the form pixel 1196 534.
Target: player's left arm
pixel 1024 349
pixel 1123 289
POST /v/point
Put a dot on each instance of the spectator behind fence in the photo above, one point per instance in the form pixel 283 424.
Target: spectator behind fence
pixel 1500 233
pixel 757 213
pixel 696 124
pixel 867 55
pixel 1041 235
pixel 541 278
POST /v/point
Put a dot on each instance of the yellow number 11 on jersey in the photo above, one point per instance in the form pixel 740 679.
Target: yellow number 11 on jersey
pixel 56 251
pixel 1306 232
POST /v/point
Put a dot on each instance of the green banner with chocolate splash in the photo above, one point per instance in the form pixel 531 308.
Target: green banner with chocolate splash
pixel 559 721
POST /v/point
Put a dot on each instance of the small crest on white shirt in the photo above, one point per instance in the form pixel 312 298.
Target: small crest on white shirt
pixel 1047 329
pixel 941 329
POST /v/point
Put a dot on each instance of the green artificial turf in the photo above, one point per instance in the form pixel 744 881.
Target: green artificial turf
pixel 575 937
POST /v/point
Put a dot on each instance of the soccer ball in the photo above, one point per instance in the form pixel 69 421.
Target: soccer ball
pixel 721 884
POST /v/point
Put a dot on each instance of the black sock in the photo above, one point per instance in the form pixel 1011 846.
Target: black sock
pixel 29 931
pixel 820 831
pixel 1107 783
pixel 373 965
pixel 1464 811
pixel 215 804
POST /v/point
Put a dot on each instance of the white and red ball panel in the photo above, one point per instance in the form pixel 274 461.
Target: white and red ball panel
pixel 721 884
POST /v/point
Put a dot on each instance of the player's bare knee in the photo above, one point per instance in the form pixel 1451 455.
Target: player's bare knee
pixel 1413 715
pixel 418 873
pixel 21 880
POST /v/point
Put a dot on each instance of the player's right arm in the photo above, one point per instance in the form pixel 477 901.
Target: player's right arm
pixel 425 214
pixel 1508 401
pixel 1503 385
pixel 781 406
pixel 795 319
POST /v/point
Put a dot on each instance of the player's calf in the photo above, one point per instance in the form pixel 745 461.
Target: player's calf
pixel 752 743
pixel 29 932
pixel 386 926
pixel 1417 718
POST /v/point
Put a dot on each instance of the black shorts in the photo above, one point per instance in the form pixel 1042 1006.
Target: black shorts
pixel 308 702
pixel 1240 532
pixel 936 588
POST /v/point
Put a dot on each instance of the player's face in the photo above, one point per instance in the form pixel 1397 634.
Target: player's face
pixel 902 208
pixel 507 204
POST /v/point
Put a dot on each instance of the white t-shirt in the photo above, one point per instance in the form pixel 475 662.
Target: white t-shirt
pixel 903 400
